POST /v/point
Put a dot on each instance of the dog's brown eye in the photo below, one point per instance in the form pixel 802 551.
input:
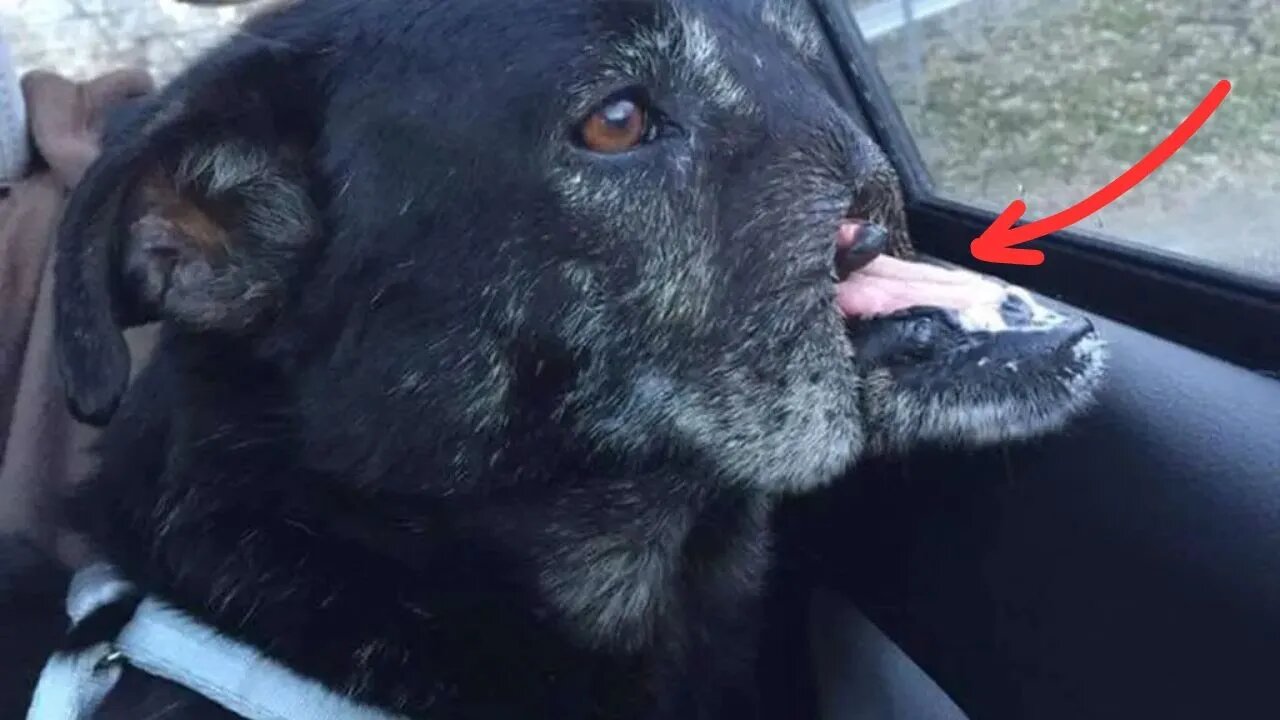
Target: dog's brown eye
pixel 616 127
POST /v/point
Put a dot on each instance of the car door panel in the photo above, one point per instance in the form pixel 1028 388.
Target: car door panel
pixel 1126 567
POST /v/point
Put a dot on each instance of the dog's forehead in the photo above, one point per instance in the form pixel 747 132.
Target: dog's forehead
pixel 724 50
pixel 687 43
pixel 715 46
pixel 792 20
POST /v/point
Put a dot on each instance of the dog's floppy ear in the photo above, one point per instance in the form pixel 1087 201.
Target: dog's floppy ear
pixel 195 214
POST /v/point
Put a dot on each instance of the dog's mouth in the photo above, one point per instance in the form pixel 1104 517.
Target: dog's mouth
pixel 906 314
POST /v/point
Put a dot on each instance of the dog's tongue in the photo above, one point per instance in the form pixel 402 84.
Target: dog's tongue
pixel 887 285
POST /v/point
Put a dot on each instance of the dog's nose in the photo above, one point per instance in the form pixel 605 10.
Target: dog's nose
pixel 1076 329
pixel 857 244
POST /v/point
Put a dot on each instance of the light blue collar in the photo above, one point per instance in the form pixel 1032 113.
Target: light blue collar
pixel 163 641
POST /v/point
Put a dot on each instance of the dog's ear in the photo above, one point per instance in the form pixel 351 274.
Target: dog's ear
pixel 196 214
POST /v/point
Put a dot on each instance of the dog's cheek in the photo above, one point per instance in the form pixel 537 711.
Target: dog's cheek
pixel 610 591
pixel 644 253
pixel 544 372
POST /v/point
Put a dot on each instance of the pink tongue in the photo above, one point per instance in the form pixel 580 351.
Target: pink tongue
pixel 888 284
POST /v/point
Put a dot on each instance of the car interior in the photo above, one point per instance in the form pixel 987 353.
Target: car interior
pixel 1128 567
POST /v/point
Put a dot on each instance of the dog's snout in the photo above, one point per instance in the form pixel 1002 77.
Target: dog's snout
pixel 865 162
pixel 1077 328
pixel 871 182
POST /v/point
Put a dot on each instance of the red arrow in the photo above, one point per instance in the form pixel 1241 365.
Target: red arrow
pixel 997 243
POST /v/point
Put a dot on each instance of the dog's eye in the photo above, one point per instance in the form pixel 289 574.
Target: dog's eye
pixel 617 126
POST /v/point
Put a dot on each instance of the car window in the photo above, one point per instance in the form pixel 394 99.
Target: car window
pixel 83 38
pixel 1049 100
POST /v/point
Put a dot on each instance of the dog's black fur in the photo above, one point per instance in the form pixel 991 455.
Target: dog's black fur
pixel 450 412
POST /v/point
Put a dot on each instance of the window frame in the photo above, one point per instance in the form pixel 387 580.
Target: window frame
pixel 1230 315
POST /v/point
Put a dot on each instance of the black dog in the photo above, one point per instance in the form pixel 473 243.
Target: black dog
pixel 492 329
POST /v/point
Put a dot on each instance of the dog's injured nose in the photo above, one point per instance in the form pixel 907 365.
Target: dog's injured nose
pixel 857 244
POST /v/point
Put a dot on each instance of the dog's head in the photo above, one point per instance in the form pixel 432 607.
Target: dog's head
pixel 599 233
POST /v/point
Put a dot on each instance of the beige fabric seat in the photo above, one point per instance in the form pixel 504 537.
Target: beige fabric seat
pixel 42 450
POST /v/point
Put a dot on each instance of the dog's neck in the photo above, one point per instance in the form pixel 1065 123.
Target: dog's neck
pixel 392 600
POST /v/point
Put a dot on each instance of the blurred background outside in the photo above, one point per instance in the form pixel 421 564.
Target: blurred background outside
pixel 1049 100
